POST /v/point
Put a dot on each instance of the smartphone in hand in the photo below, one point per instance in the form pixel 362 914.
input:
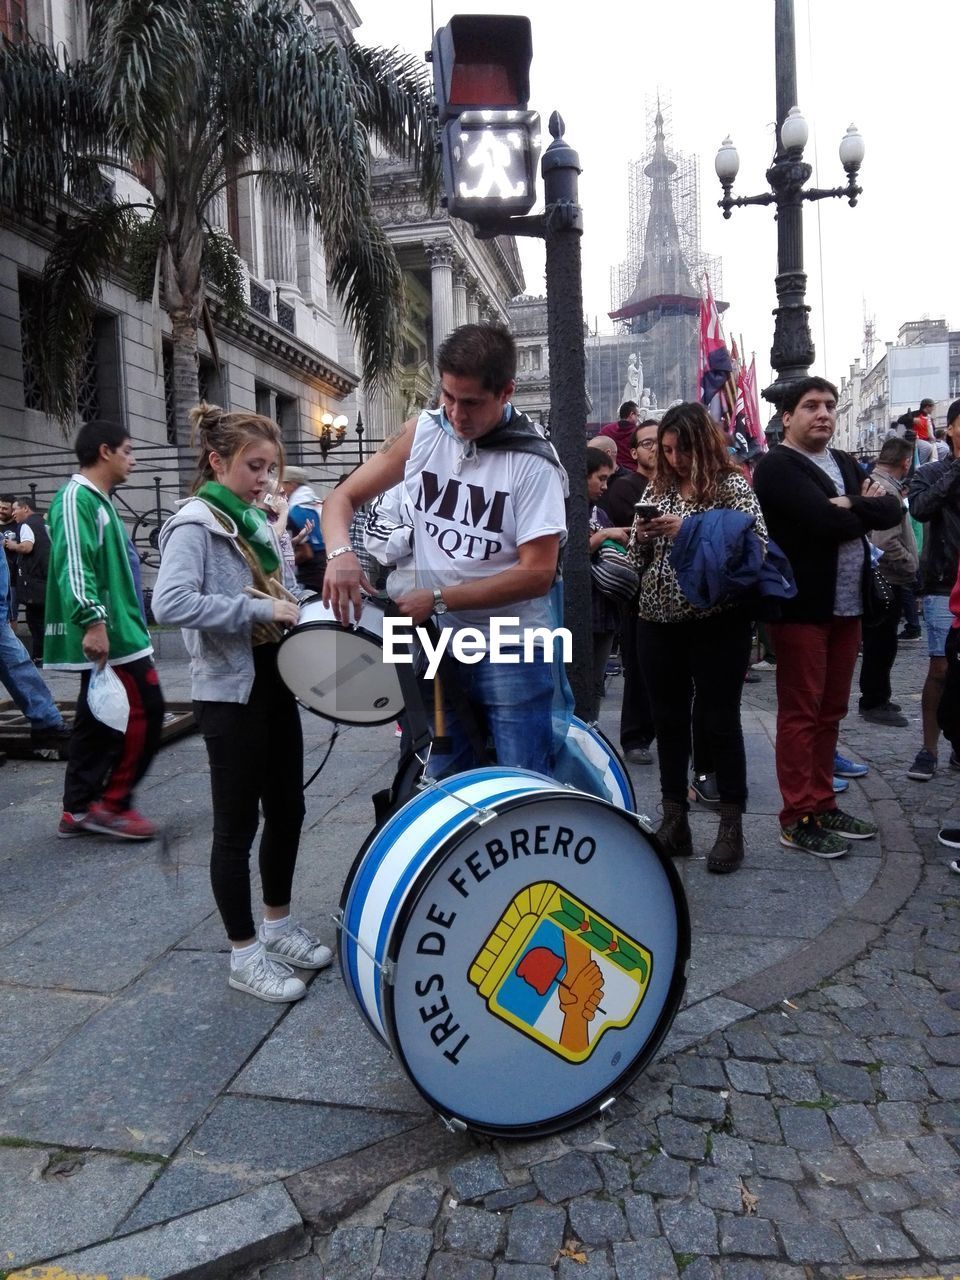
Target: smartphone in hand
pixel 646 511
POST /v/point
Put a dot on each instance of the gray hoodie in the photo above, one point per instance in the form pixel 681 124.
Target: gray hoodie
pixel 200 586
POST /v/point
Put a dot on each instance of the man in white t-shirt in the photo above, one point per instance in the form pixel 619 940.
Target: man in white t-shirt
pixel 487 495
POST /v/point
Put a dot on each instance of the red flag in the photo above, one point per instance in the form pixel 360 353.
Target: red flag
pixel 711 335
pixel 751 403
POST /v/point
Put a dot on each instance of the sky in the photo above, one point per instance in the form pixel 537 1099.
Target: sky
pixel 889 69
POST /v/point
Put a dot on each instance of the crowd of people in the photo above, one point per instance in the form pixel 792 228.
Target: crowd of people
pixel 691 558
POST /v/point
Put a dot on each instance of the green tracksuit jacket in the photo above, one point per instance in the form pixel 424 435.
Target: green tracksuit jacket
pixel 89 580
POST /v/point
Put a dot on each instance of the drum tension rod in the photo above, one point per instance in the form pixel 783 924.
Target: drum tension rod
pixel 386 967
pixel 481 816
pixel 452 1124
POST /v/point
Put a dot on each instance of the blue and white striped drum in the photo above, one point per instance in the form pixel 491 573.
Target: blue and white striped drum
pixel 603 755
pixel 519 945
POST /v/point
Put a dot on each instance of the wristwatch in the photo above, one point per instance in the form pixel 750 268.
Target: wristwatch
pixel 439 604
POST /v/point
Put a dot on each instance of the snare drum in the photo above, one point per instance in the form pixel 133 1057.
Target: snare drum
pixel 520 946
pixel 338 671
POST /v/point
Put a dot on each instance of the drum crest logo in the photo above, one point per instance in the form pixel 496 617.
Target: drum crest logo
pixel 558 972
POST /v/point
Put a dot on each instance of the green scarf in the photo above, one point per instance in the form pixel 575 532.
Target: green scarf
pixel 251 523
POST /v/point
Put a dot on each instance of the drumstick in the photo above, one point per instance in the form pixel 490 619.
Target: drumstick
pixel 265 595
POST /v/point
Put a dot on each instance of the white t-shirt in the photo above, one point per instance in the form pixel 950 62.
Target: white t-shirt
pixel 25 535
pixel 472 509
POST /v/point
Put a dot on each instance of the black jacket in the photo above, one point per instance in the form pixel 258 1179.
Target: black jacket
pixel 795 498
pixel 32 569
pixel 934 496
pixel 622 493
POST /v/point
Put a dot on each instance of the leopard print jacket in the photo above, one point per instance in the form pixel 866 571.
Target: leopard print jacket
pixel 661 599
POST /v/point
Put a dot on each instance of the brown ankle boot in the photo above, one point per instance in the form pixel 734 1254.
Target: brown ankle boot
pixel 674 831
pixel 727 852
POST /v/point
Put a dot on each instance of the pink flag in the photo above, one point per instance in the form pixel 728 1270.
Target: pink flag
pixel 711 335
pixel 751 402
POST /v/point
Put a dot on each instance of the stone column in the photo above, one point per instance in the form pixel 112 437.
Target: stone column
pixel 459 293
pixel 473 300
pixel 440 256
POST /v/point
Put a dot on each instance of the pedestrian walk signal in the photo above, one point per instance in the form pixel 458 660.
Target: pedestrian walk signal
pixel 489 140
pixel 489 163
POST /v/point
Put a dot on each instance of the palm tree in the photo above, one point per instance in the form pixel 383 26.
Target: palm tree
pixel 189 96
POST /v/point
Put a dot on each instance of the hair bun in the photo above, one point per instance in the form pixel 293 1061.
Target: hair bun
pixel 204 418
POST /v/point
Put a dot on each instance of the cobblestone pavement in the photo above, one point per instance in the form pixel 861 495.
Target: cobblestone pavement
pixel 818 1138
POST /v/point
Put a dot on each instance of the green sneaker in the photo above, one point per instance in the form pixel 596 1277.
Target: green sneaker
pixel 845 824
pixel 808 835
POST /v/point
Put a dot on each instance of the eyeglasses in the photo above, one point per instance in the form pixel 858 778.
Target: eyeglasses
pixel 646 444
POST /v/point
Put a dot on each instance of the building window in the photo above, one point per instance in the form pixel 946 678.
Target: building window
pixel 99 391
pixel 13 20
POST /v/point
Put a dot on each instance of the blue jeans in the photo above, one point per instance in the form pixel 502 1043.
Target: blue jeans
pixel 24 681
pixel 513 703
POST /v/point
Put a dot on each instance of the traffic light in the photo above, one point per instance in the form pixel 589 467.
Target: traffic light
pixel 489 139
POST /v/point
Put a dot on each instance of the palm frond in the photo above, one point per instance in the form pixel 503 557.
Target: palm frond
pixel 147 57
pixel 83 256
pixel 367 277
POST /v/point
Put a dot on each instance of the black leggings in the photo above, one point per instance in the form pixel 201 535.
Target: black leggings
pixel 706 658
pixel 256 756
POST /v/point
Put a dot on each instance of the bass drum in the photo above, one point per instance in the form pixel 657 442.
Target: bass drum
pixel 520 946
pixel 605 757
pixel 338 672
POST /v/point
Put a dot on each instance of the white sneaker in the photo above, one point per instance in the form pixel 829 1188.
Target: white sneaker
pixel 297 947
pixel 267 980
pixel 763 665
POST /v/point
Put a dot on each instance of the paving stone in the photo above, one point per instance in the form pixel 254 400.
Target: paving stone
pixel 903 1084
pixel 41 1019
pixel 751 1236
pixel 418 1203
pixel 888 1156
pixel 615 1172
pixel 854 1123
pixel 636 1134
pixel 681 1138
pixel 698 1104
pixel 813 1241
pixel 805 1128
pixel 596 1221
pixel 641 1216
pixel 748 1077
pixel 43 1214
pixel 877 1239
pixel 352 1251
pixel 900 1119
pixel 846 1083
pixel 251 1229
pixel 510 1196
pixel 535 1233
pixel 701 1073
pixel 775 1200
pixel 664 1176
pixel 522 1271
pixel 799 1049
pixel 793 1083
pixel 731 1153
pixel 832 1166
pixel 831 1202
pixel 473 1231
pixel 844 997
pixel 719 1189
pixel 108 1087
pixel 777 1162
pixel 595 1268
pixel 308 1267
pixel 945 1082
pixel 944 1116
pixel 754 1118
pixel 817 1024
pixel 945 1050
pixel 644 1260
pixel 886 1195
pixel 700 1269
pixel 574 1174
pixel 750 1044
pixel 933 1152
pixel 476 1178
pixel 454 1266
pixel 941 1022
pixel 935 1233
pixel 404 1253
pixel 851 1049
pixel 690 1228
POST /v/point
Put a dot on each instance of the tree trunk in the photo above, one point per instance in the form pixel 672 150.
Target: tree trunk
pixel 186 392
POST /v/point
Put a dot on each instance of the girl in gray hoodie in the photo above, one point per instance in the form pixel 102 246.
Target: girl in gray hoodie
pixel 220 579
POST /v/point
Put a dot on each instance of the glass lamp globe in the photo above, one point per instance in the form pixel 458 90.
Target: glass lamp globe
pixel 852 148
pixel 727 163
pixel 794 131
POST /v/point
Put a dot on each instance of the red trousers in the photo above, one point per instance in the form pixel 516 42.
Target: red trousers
pixel 815 663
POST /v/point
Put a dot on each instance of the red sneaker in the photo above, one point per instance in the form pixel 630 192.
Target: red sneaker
pixel 72 824
pixel 128 825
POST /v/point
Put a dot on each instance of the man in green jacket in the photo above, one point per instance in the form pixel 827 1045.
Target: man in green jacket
pixel 93 619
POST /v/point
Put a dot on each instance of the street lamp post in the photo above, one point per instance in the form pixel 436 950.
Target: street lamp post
pixel 792 352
